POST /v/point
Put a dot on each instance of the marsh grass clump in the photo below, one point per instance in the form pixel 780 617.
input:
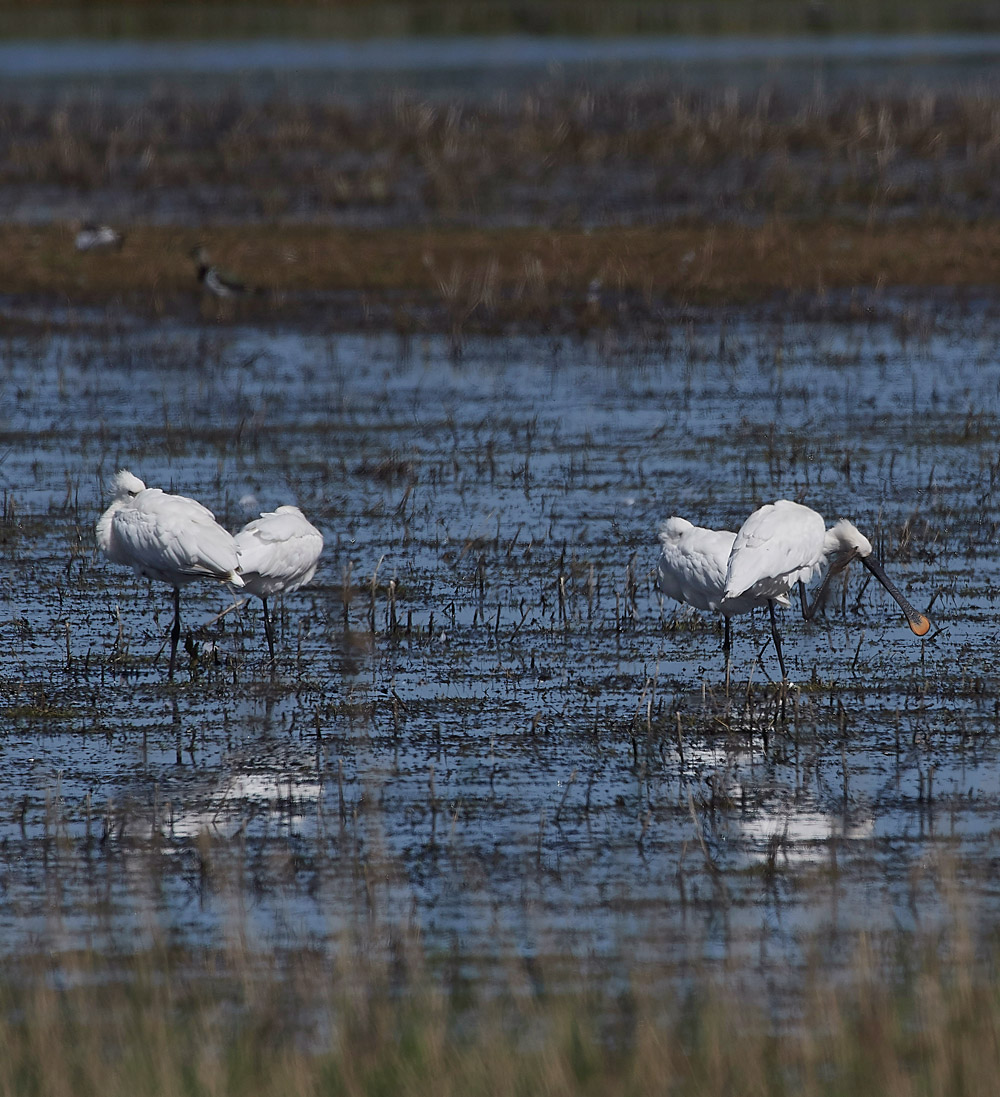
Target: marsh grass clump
pixel 561 157
pixel 581 210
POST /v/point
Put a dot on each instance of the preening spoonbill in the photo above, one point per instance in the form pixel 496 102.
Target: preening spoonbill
pixel 165 537
pixel 277 552
pixel 784 543
pixel 692 569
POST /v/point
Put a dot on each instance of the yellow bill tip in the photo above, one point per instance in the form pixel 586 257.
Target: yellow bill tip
pixel 919 624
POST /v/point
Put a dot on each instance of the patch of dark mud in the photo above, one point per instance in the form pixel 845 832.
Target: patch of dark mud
pixel 626 322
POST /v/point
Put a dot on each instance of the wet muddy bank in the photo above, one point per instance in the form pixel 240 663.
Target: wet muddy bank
pixel 629 284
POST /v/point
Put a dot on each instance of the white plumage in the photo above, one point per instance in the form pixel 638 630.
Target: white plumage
pixel 692 569
pixel 278 552
pixel 785 543
pixel 169 538
pixel 779 545
pixel 218 283
pixel 94 237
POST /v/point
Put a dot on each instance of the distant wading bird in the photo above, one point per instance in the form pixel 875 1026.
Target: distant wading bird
pixel 94 237
pixel 165 537
pixel 785 543
pixel 219 283
pixel 277 552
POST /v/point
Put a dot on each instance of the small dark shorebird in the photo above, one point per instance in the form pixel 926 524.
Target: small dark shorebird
pixel 218 283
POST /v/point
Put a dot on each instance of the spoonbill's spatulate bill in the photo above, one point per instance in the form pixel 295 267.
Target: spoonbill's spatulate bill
pixel 169 538
pixel 784 543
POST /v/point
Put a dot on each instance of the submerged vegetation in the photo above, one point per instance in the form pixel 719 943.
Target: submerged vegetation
pixel 495 823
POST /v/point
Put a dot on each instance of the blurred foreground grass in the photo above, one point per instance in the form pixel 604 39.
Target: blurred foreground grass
pixel 293 1023
pixel 190 19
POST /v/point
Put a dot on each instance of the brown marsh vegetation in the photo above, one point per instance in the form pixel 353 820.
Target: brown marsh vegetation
pixel 576 209
pixel 495 280
pixel 554 157
pixel 247 1022
pixel 496 825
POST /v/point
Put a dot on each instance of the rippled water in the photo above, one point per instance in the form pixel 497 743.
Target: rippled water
pixel 529 753
pixel 93 58
pixel 462 65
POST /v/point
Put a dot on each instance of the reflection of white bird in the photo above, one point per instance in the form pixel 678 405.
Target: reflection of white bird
pixel 692 569
pixel 94 237
pixel 169 538
pixel 784 543
pixel 278 552
pixel 245 796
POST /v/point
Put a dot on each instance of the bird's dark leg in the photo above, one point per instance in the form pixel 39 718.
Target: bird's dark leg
pixel 175 632
pixel 820 598
pixel 268 631
pixel 727 646
pixel 803 599
pixel 776 638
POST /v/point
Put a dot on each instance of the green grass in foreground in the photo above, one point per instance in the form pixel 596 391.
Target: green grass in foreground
pixel 238 1023
pixel 191 19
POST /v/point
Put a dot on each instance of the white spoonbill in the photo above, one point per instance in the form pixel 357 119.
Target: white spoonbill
pixel 784 543
pixel 692 569
pixel 165 537
pixel 278 552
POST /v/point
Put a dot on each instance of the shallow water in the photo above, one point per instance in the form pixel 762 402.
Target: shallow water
pixel 460 66
pixel 529 754
pixel 96 58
